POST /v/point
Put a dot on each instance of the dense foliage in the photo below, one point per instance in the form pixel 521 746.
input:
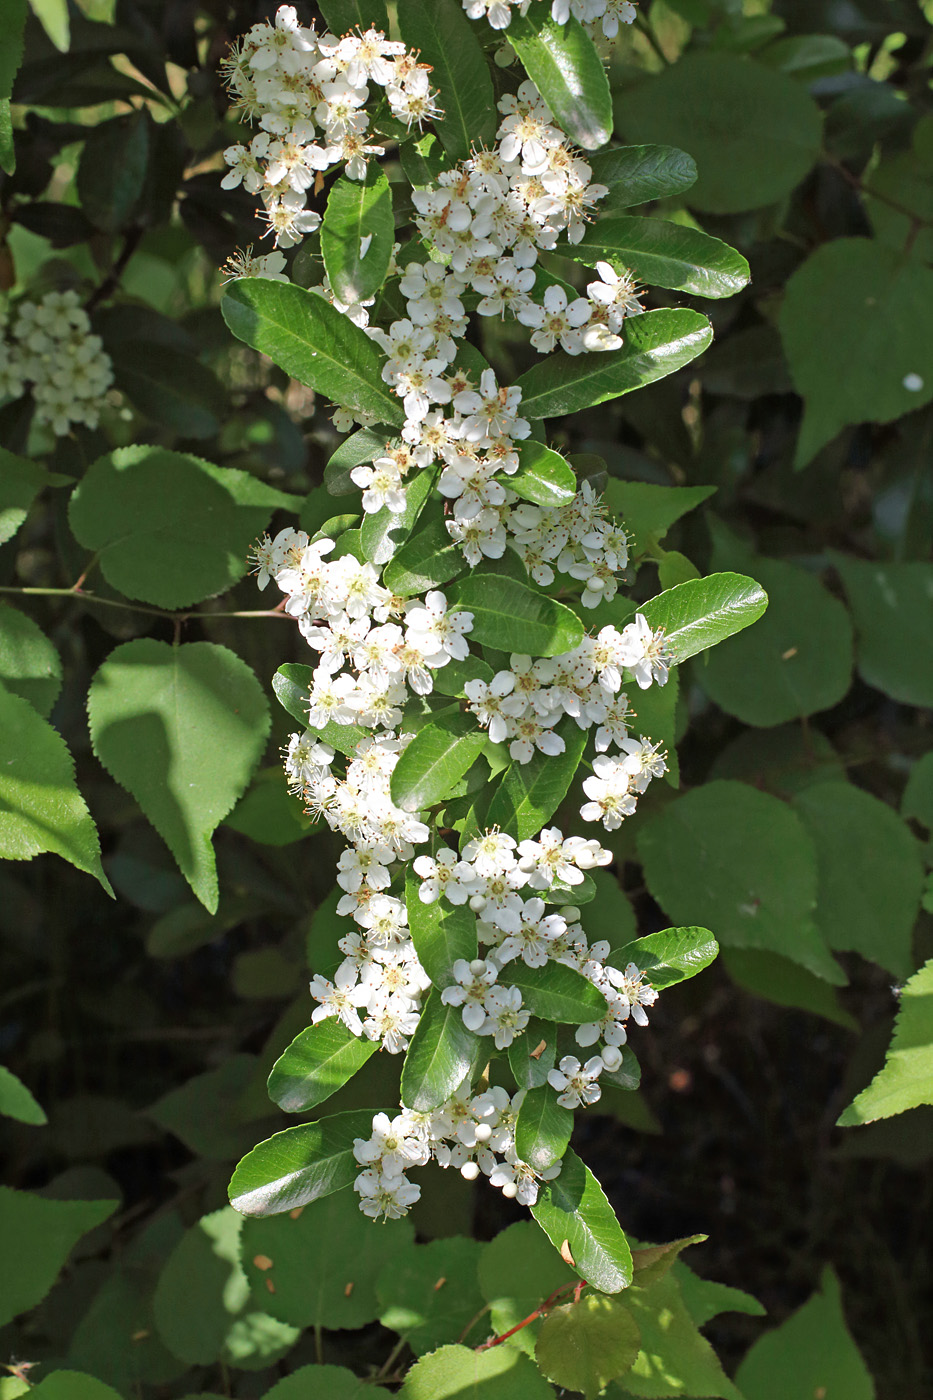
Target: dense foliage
pixel 599 563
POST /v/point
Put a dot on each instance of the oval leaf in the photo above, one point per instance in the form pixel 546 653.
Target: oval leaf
pixel 636 174
pixel 299 1165
pixel 441 1054
pixel 436 760
pixel 427 560
pixel 664 255
pixel 561 60
pixel 384 531
pixel 448 41
pixel 441 933
pixel 556 993
pixel 703 611
pixel 513 618
pixel 530 793
pixel 670 956
pixel 543 476
pixel 357 235
pixel 656 344
pixel 543 1129
pixel 316 1064
pixel 313 342
pixel 573 1208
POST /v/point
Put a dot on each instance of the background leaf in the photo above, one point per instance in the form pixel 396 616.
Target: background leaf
pixel 38 1235
pixel 906 1078
pixel 29 664
pixel 892 607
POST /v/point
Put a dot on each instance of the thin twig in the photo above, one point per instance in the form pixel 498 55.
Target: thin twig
pixel 80 595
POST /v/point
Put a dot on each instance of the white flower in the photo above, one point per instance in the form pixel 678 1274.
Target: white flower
pixel 505 1016
pixel 473 981
pixel 576 1083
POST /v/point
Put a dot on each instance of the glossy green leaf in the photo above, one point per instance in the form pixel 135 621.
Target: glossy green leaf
pixel 664 255
pixel 319 1060
pixel 573 1208
pixel 159 716
pixel 584 1345
pixel 202 1304
pixel 513 618
pixel 530 793
pixel 869 871
pixel 441 1054
pixel 543 1128
pixel 435 760
pixel 812 1353
pixel 752 145
pixel 698 614
pixel 656 344
pixel 456 1372
pixel 905 1080
pixel 29 664
pixel 670 956
pixel 562 61
pixel 37 1236
pixel 41 808
pixel 451 679
pixel 431 1293
pixel 299 1165
pixel 17 1102
pixel 449 43
pixel 357 235
pixel 555 992
pixel 441 932
pixel 892 607
pixel 533 1053
pixel 318 1267
pixel 857 338
pixel 313 342
pixel 20 483
pixel 383 532
pixel 428 560
pixel 543 476
pixel 741 861
pixel 636 174
pixel 361 446
pixel 423 160
pixel 136 509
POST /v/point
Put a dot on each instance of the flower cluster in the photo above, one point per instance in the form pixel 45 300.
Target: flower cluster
pixel 51 351
pixel 472 1132
pixel 598 16
pixel 308 93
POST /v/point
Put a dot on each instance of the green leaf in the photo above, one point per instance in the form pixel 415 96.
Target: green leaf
pixel 869 870
pixel 797 661
pixel 812 1353
pixel 561 60
pixel 342 16
pixel 705 1299
pixel 316 1064
pixel 361 446
pixel 573 1208
pixel 299 1165
pixel 698 614
pixel 656 344
pixel 513 618
pixel 318 1267
pixel 458 1372
pixel 11 56
pixel 430 1293
pixel 382 532
pixel 17 1102
pixel 38 1234
pixel 205 1112
pixel 338 1384
pixel 517 1272
pixel 752 146
pixel 664 255
pixel 808 57
pixel 917 800
pixel 636 174
pixel 857 338
pixel 906 1078
pixel 441 1054
pixel 291 683
pixel 428 560
pixel 543 476
pixel 530 793
pixel 171 387
pixel 435 760
pixel 422 162
pixel 582 1346
pixel 892 607
pixel 555 992
pixel 40 806
pixel 785 983
pixel 670 956
pixel 741 861
pixel 159 717
pixel 29 664
pixel 357 211
pixel 268 813
pixel 610 916
pixel 448 42
pixel 73 1385
pixel 441 932
pixel 533 1053
pixel 170 529
pixel 202 1304
pixel 451 679
pixel 652 1262
pixel 674 1360
pixel 648 511
pixel 20 483
pixel 543 1128
pixel 54 18
pixel 313 342
pixel 112 169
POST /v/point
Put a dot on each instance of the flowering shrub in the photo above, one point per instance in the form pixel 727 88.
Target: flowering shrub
pixel 402 309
